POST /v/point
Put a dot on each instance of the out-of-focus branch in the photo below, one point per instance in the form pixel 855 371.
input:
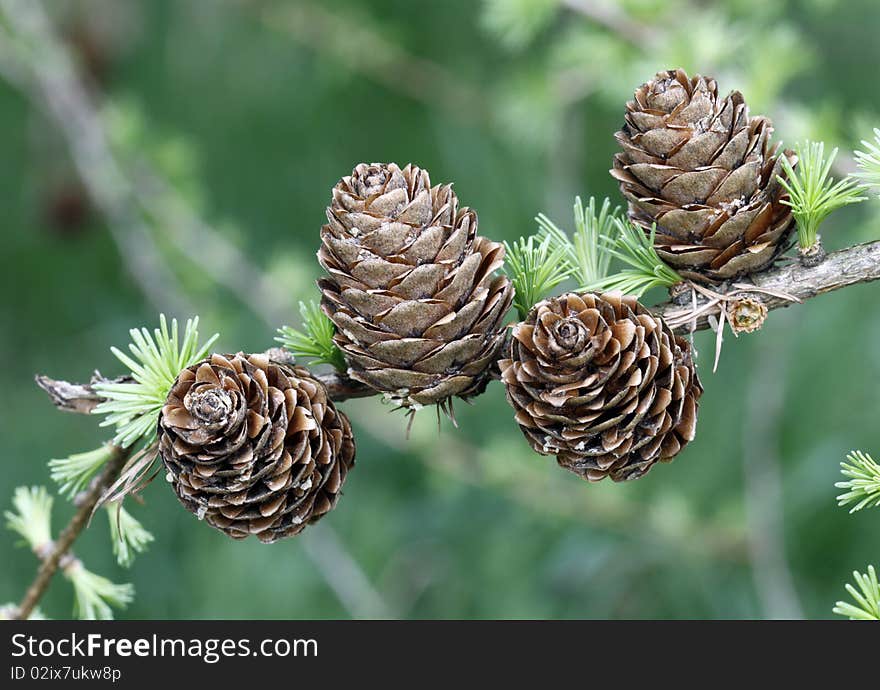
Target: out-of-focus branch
pixel 43 67
pixel 365 51
pixel 206 247
pixel 127 193
pixel 344 575
pixel 610 16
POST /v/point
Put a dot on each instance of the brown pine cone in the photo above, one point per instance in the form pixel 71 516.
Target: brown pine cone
pixel 411 290
pixel 602 384
pixel 253 446
pixel 705 172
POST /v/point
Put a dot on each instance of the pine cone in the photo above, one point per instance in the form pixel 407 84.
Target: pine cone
pixel 253 446
pixel 411 288
pixel 705 172
pixel 603 384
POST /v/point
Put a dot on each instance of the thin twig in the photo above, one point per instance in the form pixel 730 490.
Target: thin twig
pixel 65 540
pixel 70 397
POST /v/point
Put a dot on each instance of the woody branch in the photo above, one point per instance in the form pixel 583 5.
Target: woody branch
pixel 850 266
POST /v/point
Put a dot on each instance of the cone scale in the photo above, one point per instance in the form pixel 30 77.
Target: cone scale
pixel 602 384
pixel 253 446
pixel 411 287
pixel 704 171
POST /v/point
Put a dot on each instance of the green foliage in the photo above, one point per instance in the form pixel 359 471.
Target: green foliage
pixel 535 266
pixel 133 407
pixel 95 596
pixel 523 100
pixel 867 598
pixel 585 252
pixel 869 161
pixel 32 517
pixel 316 340
pixel 517 22
pixel 73 473
pixel 134 137
pixel 864 491
pixel 783 47
pixel 863 485
pixel 646 270
pixel 601 235
pixel 127 534
pixel 813 194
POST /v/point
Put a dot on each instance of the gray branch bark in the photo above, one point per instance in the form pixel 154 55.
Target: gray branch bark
pixel 74 397
pixel 850 266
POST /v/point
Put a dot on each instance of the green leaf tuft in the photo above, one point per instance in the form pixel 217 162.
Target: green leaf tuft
pixel 9 611
pixel 127 534
pixel 869 161
pixel 32 517
pixel 635 248
pixel 863 485
pixel 586 252
pixel 95 596
pixel 867 598
pixel 74 472
pixel 316 341
pixel 535 266
pixel 813 194
pixel 133 407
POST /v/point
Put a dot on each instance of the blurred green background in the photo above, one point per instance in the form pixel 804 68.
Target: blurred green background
pixel 227 123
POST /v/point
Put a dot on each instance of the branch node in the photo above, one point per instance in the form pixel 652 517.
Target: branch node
pixel 812 256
